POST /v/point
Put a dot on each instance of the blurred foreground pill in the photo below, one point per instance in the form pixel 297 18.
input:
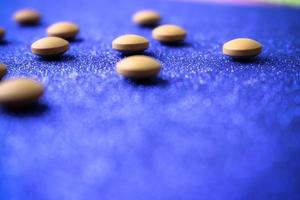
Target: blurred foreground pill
pixel 3 70
pixel 27 17
pixel 50 47
pixel 242 48
pixel 66 30
pixel 2 34
pixel 130 43
pixel 146 18
pixel 19 92
pixel 138 67
pixel 169 33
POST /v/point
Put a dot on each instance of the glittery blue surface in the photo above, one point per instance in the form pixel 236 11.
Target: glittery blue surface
pixel 208 128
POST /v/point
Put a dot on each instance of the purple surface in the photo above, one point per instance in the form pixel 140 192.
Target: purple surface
pixel 207 128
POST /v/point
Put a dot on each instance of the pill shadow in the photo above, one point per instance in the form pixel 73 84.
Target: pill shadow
pixel 251 60
pixel 145 53
pixel 149 27
pixel 149 53
pixel 32 25
pixel 4 42
pixel 75 40
pixel 157 81
pixel 35 109
pixel 60 58
pixel 177 44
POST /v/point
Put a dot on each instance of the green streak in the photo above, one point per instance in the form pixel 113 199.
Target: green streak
pixel 288 2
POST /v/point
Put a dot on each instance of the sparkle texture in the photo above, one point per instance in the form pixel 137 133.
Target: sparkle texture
pixel 208 128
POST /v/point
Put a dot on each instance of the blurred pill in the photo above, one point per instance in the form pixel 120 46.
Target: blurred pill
pixel 169 33
pixel 3 70
pixel 2 34
pixel 20 92
pixel 66 30
pixel 27 17
pixel 146 18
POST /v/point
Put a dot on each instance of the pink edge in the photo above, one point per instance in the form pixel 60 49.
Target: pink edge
pixel 236 2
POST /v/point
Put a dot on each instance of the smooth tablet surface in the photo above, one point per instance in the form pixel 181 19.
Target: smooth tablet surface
pixel 27 16
pixel 20 91
pixel 138 67
pixel 146 18
pixel 50 46
pixel 169 33
pixel 64 30
pixel 3 70
pixel 130 43
pixel 2 33
pixel 242 48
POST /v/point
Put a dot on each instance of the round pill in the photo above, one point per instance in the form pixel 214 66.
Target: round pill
pixel 50 46
pixel 130 43
pixel 242 48
pixel 169 33
pixel 138 67
pixel 146 18
pixel 20 91
pixel 27 17
pixel 2 33
pixel 66 30
pixel 3 70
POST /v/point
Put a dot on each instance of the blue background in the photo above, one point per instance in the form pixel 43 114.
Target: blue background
pixel 208 128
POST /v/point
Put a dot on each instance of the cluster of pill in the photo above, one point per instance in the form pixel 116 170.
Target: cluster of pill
pixel 26 91
pixel 141 66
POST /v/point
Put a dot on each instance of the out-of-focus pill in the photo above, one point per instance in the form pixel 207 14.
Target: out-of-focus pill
pixel 169 33
pixel 66 30
pixel 146 18
pixel 2 34
pixel 3 70
pixel 20 92
pixel 27 17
